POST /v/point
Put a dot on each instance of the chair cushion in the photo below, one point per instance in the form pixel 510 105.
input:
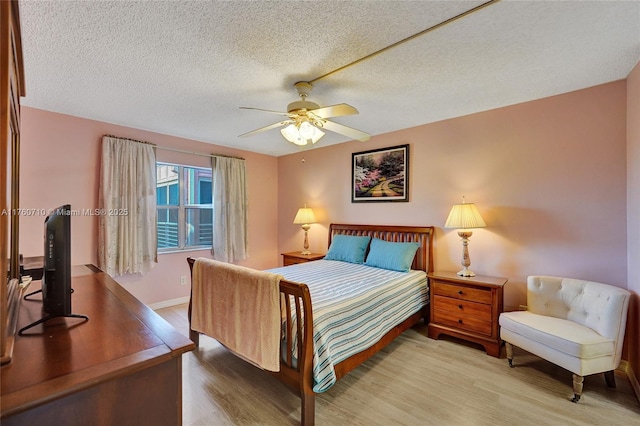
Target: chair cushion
pixel 560 334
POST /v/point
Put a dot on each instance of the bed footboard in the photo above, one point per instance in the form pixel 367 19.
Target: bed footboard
pixel 296 362
pixel 296 358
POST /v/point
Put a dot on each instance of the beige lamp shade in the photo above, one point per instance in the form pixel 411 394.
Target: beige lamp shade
pixel 304 215
pixel 464 216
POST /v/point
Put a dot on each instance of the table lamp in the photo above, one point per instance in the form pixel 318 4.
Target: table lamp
pixel 465 217
pixel 305 217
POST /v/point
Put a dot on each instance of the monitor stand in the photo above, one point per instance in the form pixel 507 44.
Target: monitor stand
pixel 48 317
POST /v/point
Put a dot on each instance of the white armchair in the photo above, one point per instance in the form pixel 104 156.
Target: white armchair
pixel 575 324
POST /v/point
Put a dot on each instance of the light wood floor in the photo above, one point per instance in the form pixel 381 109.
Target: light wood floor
pixel 414 381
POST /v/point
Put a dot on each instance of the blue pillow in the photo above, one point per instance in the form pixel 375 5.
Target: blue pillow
pixel 348 248
pixel 390 255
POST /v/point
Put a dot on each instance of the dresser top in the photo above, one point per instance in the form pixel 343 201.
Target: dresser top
pixel 63 354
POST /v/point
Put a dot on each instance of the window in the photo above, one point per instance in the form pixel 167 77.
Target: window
pixel 185 211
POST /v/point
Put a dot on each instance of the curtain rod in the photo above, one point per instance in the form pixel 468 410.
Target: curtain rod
pixel 129 139
pixel 176 150
pixel 198 153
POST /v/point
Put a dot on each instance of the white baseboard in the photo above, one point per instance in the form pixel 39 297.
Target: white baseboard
pixel 168 303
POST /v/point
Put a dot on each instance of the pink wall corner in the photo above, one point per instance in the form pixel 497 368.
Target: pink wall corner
pixel 60 163
pixel 548 176
pixel 632 342
pixel 633 177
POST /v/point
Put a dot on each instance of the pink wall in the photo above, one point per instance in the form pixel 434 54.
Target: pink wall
pixel 548 176
pixel 60 162
pixel 633 216
pixel 557 181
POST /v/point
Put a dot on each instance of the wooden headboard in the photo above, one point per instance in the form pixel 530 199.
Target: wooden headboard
pixel 420 234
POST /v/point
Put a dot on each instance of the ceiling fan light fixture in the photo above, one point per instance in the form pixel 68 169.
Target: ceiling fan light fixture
pixel 306 119
pixel 291 134
pixel 307 131
pixel 302 134
pixel 317 134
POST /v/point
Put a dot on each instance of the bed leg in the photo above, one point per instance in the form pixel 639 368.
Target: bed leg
pixel 195 337
pixel 308 416
pixel 427 314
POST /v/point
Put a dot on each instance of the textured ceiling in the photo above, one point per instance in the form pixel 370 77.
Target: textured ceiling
pixel 184 68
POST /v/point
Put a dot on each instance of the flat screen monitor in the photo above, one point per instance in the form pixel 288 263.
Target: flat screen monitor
pixel 56 281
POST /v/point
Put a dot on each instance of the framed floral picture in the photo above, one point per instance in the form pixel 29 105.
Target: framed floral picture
pixel 380 175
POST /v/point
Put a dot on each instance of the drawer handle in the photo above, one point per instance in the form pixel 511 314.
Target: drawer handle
pixel 460 306
pixel 460 292
pixel 459 321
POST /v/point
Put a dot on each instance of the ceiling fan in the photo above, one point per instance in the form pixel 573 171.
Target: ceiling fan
pixel 305 119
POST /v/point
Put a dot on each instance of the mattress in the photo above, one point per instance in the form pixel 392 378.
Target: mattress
pixel 354 306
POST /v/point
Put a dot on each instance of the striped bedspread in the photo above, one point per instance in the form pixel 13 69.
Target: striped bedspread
pixel 353 307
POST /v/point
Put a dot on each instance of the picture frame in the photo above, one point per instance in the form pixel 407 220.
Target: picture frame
pixel 380 175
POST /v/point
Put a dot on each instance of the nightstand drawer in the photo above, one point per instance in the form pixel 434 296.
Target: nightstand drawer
pixel 462 308
pixel 480 295
pixel 463 322
pixel 291 261
pixel 296 257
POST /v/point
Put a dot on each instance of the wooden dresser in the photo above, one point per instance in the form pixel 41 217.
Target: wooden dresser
pixel 467 308
pixel 12 87
pixel 297 257
pixel 121 367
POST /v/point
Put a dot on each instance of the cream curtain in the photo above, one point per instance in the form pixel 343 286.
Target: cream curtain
pixel 127 221
pixel 229 209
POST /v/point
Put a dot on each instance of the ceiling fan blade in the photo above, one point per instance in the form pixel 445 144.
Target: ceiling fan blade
pixel 265 128
pixel 334 111
pixel 344 130
pixel 267 110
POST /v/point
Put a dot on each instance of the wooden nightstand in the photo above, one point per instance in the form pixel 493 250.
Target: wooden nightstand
pixel 467 308
pixel 296 257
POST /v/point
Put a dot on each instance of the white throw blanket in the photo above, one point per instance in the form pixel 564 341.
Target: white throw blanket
pixel 240 308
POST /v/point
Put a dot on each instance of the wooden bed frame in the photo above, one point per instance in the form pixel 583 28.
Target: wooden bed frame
pixel 299 376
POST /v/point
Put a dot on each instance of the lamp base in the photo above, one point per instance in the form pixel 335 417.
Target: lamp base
pixel 306 251
pixel 465 234
pixel 466 273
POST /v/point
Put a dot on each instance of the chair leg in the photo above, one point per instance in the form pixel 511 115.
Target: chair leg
pixel 577 387
pixel 509 348
pixel 610 378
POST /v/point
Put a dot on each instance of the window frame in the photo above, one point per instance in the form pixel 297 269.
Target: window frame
pixel 182 207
